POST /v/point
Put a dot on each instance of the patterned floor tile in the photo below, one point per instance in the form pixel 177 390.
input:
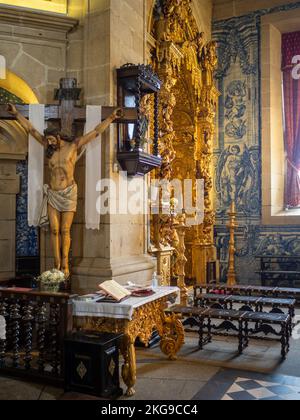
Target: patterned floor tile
pixel 291 397
pixel 231 385
pixel 263 383
pixel 283 390
pixel 241 380
pixel 227 398
pixel 262 393
pixel 247 385
pixel 242 396
pixel 235 388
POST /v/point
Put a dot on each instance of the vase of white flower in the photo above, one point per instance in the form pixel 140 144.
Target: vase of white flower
pixel 51 281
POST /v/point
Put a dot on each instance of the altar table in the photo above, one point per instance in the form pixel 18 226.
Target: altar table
pixel 135 318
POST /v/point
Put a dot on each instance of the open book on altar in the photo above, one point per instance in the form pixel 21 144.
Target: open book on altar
pixel 114 290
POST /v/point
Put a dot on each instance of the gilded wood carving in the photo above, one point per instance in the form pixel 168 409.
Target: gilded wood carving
pixel 186 63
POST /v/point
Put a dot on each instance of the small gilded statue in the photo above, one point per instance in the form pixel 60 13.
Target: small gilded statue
pixel 210 62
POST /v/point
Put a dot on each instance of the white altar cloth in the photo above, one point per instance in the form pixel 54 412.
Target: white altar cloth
pixel 122 310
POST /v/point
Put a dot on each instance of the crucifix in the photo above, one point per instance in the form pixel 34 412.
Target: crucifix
pixel 62 148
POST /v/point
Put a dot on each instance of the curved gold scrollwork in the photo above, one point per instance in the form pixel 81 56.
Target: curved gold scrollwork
pixel 172 336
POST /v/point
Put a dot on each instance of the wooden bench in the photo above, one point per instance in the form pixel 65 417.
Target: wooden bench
pixel 249 304
pixel 276 277
pixel 278 269
pixel 237 322
pixel 244 290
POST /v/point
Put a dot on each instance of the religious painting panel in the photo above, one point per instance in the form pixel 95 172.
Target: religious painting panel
pixel 237 147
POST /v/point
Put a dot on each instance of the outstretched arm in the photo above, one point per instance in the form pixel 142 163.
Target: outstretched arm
pixel 26 124
pixel 89 137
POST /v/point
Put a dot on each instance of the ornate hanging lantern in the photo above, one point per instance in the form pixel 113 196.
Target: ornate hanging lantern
pixel 135 82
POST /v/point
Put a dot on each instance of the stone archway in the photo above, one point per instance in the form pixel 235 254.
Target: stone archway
pixel 13 155
pixel 185 63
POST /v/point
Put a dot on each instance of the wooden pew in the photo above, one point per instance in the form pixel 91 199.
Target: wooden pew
pixel 249 303
pixel 279 268
pixel 237 322
pixel 250 290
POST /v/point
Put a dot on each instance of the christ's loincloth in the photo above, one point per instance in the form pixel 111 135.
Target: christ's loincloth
pixel 63 201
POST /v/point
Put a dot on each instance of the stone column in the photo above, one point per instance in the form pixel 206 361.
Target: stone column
pixel 113 36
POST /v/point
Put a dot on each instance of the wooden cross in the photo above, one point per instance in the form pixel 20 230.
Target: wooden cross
pixel 67 112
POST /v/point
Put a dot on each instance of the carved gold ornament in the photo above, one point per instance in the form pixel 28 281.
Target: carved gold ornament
pixel 112 367
pixel 81 370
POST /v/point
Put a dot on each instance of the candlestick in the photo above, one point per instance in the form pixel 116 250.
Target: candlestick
pixel 181 258
pixel 231 275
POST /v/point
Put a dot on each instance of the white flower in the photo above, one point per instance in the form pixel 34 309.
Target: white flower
pixel 54 276
pixel 45 276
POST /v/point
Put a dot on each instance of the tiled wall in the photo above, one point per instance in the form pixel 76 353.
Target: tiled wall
pixel 237 154
pixel 27 238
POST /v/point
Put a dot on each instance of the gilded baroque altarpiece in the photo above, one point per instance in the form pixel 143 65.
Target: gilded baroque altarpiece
pixel 185 62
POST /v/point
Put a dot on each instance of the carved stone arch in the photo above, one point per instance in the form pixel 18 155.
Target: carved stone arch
pixel 185 62
pixel 13 153
pixel 150 4
pixel 13 140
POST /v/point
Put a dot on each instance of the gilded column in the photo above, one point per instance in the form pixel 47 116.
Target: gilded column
pixel 167 55
pixel 204 250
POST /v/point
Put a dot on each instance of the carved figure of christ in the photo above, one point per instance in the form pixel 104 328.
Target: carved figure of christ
pixel 62 151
